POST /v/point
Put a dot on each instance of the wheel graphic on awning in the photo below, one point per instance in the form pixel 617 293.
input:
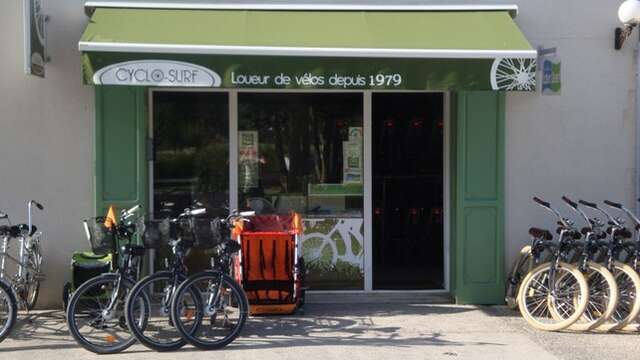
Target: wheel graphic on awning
pixel 513 74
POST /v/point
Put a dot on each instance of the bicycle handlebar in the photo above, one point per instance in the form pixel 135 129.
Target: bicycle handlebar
pixel 569 202
pixel 541 202
pixel 130 211
pixel 198 211
pixel 548 206
pixel 37 204
pixel 589 204
pixel 613 204
pixel 621 207
pixel 574 207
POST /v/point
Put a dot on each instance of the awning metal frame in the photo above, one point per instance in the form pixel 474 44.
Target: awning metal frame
pixel 90 5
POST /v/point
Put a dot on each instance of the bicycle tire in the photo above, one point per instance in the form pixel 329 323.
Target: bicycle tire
pixel 594 314
pixel 624 273
pixel 33 293
pixel 528 288
pixel 516 275
pixel 243 310
pixel 137 331
pixel 12 305
pixel 71 310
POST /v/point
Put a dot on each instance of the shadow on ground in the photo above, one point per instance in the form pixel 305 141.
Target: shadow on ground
pixel 369 325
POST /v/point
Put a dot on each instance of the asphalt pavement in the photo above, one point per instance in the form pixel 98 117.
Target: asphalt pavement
pixel 353 331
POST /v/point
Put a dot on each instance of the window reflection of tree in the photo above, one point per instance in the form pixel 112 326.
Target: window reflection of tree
pixel 191 148
pixel 301 136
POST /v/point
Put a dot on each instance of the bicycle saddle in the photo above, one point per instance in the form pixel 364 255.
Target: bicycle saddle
pixel 575 234
pixel 587 229
pixel 17 230
pixel 135 250
pixel 540 233
pixel 624 232
pixel 230 247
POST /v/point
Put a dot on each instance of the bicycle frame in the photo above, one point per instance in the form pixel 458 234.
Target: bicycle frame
pixel 24 251
pixel 21 261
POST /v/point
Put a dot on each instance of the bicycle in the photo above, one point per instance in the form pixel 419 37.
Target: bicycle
pixel 210 308
pixel 20 291
pixel 159 332
pixel 627 278
pixel 603 289
pixel 554 286
pixel 95 313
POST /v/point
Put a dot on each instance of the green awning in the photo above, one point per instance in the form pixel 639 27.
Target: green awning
pixel 417 50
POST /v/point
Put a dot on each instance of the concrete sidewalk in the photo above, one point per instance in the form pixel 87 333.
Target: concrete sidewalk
pixel 354 331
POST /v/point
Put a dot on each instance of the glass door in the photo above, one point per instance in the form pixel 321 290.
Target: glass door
pixel 190 154
pixel 303 152
pixel 408 191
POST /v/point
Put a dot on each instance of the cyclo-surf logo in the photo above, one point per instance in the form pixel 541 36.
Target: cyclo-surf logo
pixel 157 73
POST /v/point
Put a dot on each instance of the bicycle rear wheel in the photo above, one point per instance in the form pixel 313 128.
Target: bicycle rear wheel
pixel 95 315
pixel 210 310
pixel 8 309
pixel 540 299
pixel 519 269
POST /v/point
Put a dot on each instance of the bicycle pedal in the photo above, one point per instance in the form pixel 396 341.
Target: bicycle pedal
pixel 40 277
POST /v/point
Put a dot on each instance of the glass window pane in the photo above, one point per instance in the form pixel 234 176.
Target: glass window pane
pixel 304 152
pixel 191 152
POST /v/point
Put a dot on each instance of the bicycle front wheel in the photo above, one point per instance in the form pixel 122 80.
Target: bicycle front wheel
pixel 159 332
pixel 34 265
pixel 628 306
pixel 603 297
pixel 544 293
pixel 210 310
pixel 95 314
pixel 8 309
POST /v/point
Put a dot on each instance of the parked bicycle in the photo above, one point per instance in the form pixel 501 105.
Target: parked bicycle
pixel 159 332
pixel 554 294
pixel 627 279
pixel 603 289
pixel 210 308
pixel 21 290
pixel 95 313
pixel 607 255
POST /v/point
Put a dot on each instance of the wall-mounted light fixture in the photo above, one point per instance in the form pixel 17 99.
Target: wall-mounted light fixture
pixel 629 15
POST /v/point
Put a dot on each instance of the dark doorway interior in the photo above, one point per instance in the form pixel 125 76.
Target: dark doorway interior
pixel 408 191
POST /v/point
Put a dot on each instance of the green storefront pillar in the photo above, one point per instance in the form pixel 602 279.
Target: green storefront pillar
pixel 120 154
pixel 478 184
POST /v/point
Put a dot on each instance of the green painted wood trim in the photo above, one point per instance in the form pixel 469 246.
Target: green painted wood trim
pixel 479 197
pixel 121 177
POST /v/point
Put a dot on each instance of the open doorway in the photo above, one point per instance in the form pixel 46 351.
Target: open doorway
pixel 408 191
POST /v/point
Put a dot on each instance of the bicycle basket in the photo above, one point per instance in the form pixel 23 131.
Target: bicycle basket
pixel 101 238
pixel 206 233
pixel 156 234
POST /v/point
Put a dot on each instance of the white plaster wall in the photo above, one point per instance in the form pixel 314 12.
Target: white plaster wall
pixel 582 142
pixel 46 130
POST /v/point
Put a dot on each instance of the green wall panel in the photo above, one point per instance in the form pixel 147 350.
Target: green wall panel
pixel 478 229
pixel 121 171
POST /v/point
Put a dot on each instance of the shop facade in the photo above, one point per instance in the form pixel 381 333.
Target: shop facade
pixel 76 146
pixel 389 145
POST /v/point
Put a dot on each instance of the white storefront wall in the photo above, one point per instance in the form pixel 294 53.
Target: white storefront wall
pixel 581 143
